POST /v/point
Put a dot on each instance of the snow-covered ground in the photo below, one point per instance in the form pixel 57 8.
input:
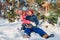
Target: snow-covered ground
pixel 8 31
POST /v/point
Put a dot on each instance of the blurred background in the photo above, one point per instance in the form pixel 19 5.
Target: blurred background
pixel 44 9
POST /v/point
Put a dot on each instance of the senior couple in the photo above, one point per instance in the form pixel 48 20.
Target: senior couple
pixel 29 24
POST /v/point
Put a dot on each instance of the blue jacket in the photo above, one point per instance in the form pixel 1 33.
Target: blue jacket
pixel 33 18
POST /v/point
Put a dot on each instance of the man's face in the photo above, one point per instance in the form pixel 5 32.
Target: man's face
pixel 29 13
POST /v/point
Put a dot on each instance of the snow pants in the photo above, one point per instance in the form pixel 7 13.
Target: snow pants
pixel 36 30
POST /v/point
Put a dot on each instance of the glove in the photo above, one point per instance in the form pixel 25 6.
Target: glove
pixel 33 23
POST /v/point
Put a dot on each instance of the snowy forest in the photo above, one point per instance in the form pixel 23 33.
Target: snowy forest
pixel 29 19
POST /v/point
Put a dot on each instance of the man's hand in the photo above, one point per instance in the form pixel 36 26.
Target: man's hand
pixel 33 23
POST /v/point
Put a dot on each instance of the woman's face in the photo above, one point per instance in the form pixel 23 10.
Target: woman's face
pixel 20 12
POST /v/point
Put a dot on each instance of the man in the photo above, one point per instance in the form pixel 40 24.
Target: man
pixel 32 27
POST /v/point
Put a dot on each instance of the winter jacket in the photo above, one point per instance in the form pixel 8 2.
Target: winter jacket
pixel 33 18
pixel 23 19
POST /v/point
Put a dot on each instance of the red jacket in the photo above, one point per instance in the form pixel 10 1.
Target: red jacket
pixel 22 17
pixel 24 20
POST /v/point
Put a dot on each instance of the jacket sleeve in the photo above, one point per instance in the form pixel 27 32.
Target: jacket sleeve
pixel 36 20
pixel 26 22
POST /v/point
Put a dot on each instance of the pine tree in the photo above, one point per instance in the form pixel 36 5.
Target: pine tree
pixel 11 15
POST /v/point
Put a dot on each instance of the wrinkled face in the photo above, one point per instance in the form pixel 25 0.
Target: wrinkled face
pixel 29 13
